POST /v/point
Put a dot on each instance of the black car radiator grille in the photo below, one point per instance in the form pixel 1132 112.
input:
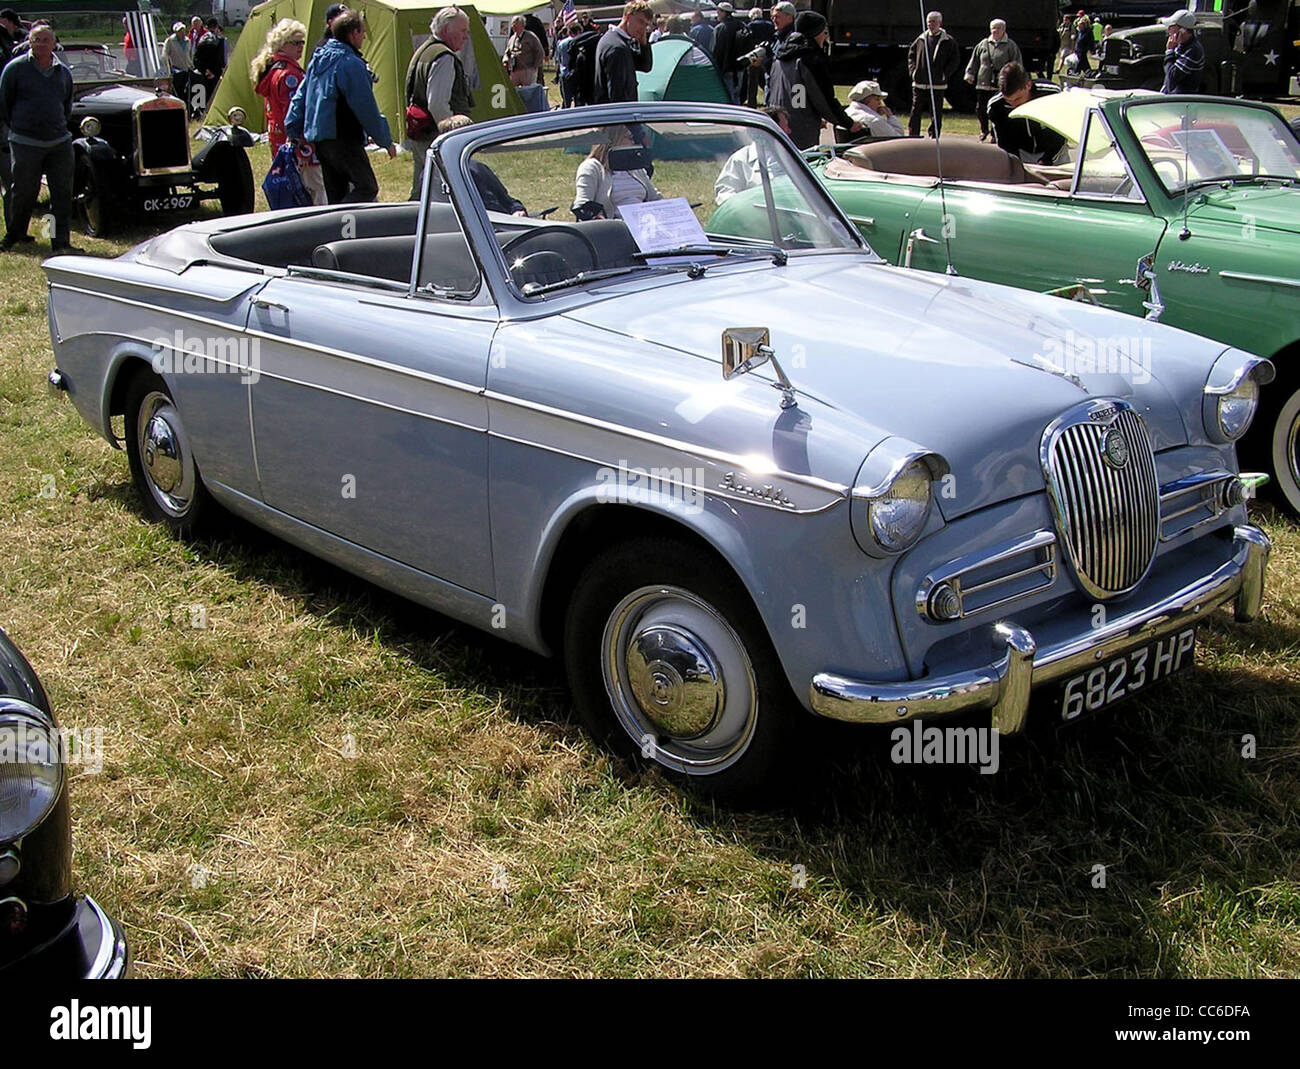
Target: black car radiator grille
pixel 164 138
pixel 1104 495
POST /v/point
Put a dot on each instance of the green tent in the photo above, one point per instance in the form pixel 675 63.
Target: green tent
pixel 394 29
pixel 682 71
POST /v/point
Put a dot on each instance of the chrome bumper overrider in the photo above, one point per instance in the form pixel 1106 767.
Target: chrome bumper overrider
pixel 1004 684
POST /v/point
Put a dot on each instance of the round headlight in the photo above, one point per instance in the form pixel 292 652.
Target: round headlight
pixel 31 772
pixel 1235 410
pixel 90 126
pixel 898 515
pixel 236 116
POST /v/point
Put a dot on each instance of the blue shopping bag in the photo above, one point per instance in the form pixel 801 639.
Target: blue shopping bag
pixel 283 184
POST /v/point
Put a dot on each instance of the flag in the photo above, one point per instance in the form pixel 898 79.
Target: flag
pixel 567 13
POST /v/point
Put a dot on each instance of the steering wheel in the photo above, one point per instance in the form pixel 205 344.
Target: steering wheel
pixel 1168 161
pixel 548 231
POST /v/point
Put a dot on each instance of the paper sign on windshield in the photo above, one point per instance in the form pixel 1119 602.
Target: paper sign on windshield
pixel 657 225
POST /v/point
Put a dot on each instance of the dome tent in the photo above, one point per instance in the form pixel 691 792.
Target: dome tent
pixel 394 29
pixel 682 71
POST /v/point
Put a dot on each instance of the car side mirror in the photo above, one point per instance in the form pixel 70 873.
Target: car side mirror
pixel 745 349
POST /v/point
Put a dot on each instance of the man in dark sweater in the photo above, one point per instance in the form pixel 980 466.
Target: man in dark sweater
pixel 36 104
pixel 624 50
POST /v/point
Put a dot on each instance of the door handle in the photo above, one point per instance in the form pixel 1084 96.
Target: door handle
pixel 263 302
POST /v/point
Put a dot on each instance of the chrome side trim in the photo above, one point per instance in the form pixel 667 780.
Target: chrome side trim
pixel 1268 280
pixel 1004 685
pixel 729 460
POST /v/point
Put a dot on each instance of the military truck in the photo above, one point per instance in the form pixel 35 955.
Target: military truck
pixel 1251 50
pixel 870 38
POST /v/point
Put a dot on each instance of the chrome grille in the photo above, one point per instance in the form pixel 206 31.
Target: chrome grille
pixel 1108 514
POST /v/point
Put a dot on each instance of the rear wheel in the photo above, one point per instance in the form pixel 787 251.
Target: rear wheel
pixel 669 664
pixel 162 459
pixel 1279 424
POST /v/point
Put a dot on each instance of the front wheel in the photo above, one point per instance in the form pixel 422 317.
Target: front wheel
pixel 162 459
pixel 90 198
pixel 669 664
pixel 235 183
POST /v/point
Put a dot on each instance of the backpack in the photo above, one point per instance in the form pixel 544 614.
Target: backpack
pixel 581 76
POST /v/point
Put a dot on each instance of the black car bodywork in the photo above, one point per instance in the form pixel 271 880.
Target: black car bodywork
pixel 134 158
pixel 45 930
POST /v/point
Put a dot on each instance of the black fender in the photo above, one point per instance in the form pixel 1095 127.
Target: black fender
pixel 210 160
pixel 101 153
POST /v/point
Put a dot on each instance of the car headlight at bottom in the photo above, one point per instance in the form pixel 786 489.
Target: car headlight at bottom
pixel 898 514
pixel 1231 394
pixel 31 769
pixel 90 126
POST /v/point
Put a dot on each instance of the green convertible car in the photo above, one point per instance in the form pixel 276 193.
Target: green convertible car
pixel 1181 209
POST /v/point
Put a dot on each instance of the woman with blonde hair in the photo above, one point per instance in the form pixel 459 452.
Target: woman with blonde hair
pixel 277 73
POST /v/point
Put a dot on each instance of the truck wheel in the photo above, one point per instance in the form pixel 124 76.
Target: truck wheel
pixel 90 198
pixel 669 664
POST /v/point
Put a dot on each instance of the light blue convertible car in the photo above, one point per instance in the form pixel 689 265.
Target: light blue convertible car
pixel 732 481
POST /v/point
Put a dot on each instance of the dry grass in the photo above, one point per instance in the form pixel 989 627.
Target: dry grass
pixel 326 781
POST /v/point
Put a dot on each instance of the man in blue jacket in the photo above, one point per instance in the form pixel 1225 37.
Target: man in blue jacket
pixel 36 104
pixel 335 109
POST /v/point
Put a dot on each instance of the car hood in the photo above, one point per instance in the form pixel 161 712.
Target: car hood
pixel 1264 207
pixel 968 369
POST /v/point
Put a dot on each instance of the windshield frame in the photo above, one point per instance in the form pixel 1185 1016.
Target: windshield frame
pixel 453 150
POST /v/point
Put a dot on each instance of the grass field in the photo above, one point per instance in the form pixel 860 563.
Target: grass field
pixel 323 780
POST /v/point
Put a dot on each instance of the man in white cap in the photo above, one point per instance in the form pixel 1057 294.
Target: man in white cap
pixel 1184 54
pixel 867 106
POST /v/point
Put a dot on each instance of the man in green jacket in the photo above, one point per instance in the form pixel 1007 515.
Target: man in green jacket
pixel 986 63
pixel 436 84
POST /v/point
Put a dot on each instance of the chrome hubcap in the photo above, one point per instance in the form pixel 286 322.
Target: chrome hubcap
pixel 675 682
pixel 162 455
pixel 679 680
pixel 168 468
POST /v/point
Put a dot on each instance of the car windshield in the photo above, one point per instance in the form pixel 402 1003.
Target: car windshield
pixel 100 63
pixel 1194 143
pixel 595 202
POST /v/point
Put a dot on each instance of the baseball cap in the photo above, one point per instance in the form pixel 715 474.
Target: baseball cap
pixel 1182 18
pixel 866 89
pixel 334 11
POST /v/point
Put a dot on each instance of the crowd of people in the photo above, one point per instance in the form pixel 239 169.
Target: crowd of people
pixel 328 110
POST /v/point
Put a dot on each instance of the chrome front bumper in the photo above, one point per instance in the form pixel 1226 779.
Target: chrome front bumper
pixel 1004 685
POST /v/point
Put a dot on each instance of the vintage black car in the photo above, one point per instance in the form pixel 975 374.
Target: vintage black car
pixel 45 930
pixel 132 144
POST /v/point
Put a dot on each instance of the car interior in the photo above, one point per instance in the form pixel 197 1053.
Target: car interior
pixel 963 161
pixel 380 244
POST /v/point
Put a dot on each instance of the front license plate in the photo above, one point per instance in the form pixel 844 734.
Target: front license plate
pixel 1111 68
pixel 171 202
pixel 1125 675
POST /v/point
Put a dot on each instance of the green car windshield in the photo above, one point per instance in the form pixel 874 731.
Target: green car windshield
pixel 1195 143
pixel 592 202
